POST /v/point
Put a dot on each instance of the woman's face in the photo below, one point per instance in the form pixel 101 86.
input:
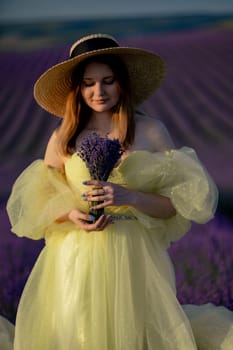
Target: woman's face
pixel 100 89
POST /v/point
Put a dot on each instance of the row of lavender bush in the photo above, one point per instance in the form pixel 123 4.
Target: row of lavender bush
pixel 203 263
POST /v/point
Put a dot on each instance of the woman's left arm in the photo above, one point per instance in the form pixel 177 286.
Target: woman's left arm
pixel 152 204
pixel 111 194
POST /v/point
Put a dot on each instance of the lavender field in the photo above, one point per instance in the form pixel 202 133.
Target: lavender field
pixel 195 103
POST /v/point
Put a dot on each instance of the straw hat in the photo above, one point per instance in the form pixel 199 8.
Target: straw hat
pixel 146 71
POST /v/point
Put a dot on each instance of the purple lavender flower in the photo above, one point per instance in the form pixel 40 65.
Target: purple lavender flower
pixel 203 264
pixel 100 155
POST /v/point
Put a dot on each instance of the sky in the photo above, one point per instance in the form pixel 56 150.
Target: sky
pixel 27 10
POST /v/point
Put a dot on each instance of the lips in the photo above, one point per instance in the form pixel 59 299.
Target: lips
pixel 100 101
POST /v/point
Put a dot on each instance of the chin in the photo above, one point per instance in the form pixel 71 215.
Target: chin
pixel 102 109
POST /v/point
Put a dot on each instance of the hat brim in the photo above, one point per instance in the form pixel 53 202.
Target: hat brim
pixel 146 72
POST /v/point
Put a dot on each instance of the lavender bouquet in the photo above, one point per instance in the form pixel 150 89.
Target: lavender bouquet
pixel 100 155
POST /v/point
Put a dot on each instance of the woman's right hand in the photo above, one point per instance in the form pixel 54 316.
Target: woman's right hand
pixel 83 221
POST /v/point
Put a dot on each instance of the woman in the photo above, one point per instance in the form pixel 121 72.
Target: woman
pixel 106 283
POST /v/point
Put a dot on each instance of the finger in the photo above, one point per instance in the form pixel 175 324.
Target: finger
pixel 86 217
pixel 98 206
pixel 78 217
pixel 102 222
pixel 97 195
pixel 100 191
pixel 88 226
pixel 94 183
pixel 104 203
pixel 99 225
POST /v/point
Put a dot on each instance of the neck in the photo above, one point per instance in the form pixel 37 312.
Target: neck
pixel 101 122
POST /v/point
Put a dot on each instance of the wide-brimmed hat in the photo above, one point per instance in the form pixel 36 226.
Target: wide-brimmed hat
pixel 146 71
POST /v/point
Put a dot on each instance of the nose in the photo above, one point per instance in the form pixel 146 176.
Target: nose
pixel 99 89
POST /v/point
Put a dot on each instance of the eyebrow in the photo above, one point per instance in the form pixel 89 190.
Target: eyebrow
pixel 89 78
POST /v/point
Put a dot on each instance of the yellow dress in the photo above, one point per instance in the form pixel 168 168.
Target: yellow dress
pixel 112 289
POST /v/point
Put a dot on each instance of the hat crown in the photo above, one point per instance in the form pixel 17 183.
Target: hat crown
pixel 91 43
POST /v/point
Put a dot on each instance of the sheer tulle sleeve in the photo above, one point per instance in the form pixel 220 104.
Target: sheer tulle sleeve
pixel 193 193
pixel 39 196
pixel 179 175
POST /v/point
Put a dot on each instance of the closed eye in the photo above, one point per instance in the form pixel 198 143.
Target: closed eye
pixel 109 80
pixel 87 83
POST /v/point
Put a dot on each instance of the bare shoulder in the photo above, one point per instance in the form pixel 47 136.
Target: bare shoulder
pixel 147 122
pixel 154 131
pixel 52 157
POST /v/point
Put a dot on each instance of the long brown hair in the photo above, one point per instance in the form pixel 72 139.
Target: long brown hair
pixel 77 113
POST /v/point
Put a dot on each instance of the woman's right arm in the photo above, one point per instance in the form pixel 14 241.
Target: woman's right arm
pixel 52 157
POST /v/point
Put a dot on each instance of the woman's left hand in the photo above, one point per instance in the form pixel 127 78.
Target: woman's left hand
pixel 107 193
